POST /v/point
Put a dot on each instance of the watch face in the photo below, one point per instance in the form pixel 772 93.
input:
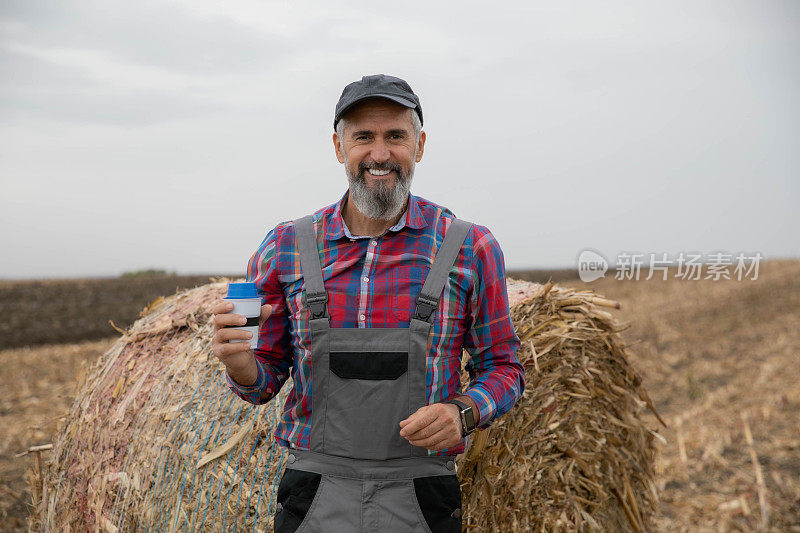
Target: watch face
pixel 467 417
pixel 469 420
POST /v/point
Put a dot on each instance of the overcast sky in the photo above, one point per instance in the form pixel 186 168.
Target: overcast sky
pixel 175 134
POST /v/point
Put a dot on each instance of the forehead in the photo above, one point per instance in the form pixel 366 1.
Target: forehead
pixel 378 113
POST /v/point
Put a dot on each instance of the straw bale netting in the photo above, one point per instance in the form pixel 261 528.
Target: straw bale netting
pixel 155 441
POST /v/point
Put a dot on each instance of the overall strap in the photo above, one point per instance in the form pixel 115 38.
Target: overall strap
pixel 428 299
pixel 315 295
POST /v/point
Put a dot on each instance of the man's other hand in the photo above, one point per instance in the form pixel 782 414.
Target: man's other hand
pixel 236 356
pixel 435 427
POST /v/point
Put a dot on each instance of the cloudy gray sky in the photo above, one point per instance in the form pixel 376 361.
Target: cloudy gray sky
pixel 175 134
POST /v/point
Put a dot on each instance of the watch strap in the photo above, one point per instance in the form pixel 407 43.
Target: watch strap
pixel 461 405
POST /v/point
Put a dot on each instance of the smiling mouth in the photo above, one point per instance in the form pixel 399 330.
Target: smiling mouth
pixel 378 173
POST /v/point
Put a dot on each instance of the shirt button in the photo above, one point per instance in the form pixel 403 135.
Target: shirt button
pixel 373 243
pixel 366 278
pixel 362 317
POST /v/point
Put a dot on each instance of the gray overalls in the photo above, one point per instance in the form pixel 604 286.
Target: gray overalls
pixel 360 474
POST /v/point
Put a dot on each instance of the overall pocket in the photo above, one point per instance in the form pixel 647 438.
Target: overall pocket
pixel 297 491
pixel 439 500
pixel 367 397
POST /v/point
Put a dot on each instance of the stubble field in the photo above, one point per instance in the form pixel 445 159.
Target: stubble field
pixel 719 359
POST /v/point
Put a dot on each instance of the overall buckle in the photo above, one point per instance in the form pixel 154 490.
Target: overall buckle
pixel 317 301
pixel 425 307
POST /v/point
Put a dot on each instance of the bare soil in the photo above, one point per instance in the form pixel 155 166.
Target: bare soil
pixel 74 310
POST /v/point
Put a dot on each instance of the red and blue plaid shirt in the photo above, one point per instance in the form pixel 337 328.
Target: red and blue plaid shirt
pixel 372 282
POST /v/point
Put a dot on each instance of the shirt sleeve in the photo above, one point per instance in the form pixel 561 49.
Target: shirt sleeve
pixel 273 352
pixel 497 379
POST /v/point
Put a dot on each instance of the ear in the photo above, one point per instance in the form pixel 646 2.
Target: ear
pixel 338 148
pixel 420 145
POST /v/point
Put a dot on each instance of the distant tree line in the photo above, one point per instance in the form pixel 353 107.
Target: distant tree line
pixel 147 272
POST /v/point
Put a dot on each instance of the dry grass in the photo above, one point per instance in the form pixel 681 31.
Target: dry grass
pixel 38 389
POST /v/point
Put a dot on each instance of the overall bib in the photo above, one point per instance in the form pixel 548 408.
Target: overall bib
pixel 360 475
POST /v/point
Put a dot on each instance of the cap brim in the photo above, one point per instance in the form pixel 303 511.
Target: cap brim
pixel 398 99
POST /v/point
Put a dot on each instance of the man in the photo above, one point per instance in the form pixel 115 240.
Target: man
pixel 372 299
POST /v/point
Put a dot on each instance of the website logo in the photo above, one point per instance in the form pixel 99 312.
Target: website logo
pixel 591 265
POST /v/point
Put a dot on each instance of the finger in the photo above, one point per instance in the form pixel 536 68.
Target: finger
pixel 443 439
pixel 410 419
pixel 232 334
pixel 405 421
pixel 434 427
pixel 442 436
pixel 223 350
pixel 421 418
pixel 222 307
pixel 266 311
pixel 445 443
pixel 229 319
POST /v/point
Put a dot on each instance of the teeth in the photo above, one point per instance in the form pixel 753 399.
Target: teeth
pixel 376 172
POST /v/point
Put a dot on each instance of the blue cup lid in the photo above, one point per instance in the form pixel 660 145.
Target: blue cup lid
pixel 242 290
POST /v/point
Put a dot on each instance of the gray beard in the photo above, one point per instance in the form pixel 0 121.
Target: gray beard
pixel 379 202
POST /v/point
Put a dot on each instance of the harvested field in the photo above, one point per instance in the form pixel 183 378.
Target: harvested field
pixel 720 359
pixel 76 310
pixel 708 352
pixel 38 390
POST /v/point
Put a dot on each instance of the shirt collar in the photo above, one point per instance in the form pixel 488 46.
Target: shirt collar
pixel 413 217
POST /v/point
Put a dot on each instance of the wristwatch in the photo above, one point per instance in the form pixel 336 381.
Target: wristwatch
pixel 467 416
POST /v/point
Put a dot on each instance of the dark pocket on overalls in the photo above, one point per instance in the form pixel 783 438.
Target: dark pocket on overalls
pixel 367 397
pixel 439 499
pixel 296 492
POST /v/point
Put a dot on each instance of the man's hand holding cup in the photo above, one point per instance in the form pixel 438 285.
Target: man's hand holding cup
pixel 237 321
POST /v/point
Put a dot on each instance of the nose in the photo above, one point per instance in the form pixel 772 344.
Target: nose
pixel 380 151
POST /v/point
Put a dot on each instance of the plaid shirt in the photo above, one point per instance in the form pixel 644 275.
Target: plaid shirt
pixel 372 282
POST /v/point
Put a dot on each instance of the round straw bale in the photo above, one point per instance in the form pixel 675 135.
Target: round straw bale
pixel 574 453
pixel 156 441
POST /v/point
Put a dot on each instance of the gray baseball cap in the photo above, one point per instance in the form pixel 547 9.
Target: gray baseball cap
pixel 377 85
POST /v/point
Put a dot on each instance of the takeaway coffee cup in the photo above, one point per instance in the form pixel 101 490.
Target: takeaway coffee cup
pixel 246 302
